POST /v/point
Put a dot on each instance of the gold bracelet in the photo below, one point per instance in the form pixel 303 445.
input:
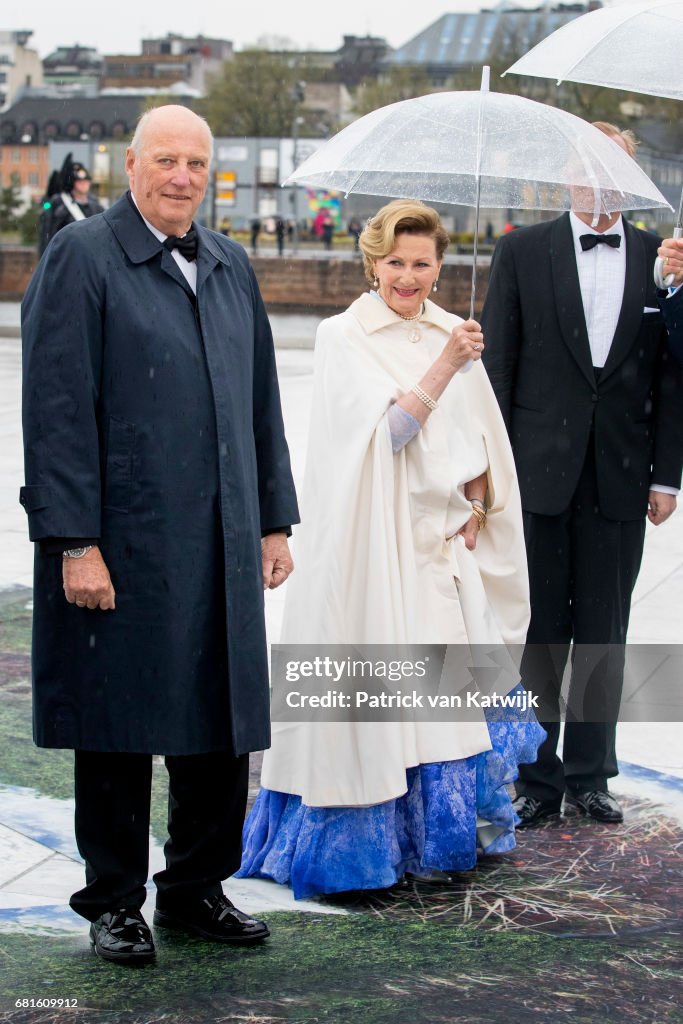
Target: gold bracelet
pixel 480 516
pixel 424 397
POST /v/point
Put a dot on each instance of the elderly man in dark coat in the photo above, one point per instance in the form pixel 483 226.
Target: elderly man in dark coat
pixel 159 492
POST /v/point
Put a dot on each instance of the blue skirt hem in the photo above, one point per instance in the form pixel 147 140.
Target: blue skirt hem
pixel 433 826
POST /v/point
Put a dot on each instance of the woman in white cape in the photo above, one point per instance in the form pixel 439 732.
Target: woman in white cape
pixel 408 460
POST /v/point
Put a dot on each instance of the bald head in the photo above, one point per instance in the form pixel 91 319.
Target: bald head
pixel 173 115
pixel 167 164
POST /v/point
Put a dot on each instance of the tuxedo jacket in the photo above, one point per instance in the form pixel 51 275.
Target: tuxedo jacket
pixel 672 308
pixel 554 404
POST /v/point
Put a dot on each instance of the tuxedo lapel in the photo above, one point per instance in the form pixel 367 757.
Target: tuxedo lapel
pixel 633 300
pixel 567 297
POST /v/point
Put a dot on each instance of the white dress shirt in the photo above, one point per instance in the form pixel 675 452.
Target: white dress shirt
pixel 602 274
pixel 188 267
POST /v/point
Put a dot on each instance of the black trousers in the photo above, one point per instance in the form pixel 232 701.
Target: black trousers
pixel 582 570
pixel 206 806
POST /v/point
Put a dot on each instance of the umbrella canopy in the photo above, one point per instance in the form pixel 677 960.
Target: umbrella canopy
pixel 632 46
pixel 481 148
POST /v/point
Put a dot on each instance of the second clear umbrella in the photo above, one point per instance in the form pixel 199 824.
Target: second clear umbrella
pixel 481 148
pixel 635 46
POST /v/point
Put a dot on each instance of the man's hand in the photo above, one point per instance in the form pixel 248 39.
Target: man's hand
pixel 660 507
pixel 276 559
pixel 671 250
pixel 87 582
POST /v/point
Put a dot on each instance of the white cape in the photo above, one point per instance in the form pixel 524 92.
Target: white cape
pixel 373 565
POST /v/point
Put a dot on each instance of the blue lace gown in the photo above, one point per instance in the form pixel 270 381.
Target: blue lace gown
pixel 433 826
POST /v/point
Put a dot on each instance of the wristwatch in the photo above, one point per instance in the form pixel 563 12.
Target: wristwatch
pixel 77 552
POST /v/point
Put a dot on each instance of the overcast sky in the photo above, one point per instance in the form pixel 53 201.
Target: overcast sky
pixel 118 27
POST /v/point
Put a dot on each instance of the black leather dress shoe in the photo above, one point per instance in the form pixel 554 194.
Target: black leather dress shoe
pixel 531 810
pixel 214 918
pixel 123 936
pixel 596 804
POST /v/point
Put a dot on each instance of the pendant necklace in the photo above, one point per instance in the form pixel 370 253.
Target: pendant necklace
pixel 415 334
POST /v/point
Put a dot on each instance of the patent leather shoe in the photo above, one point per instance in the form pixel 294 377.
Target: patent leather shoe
pixel 596 804
pixel 531 810
pixel 122 936
pixel 214 918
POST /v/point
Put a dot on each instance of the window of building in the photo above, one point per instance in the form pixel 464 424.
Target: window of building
pixel 96 130
pixel 51 129
pixel 33 178
pixel 8 130
pixel 267 171
pixel 16 156
pixel 74 130
pixel 118 130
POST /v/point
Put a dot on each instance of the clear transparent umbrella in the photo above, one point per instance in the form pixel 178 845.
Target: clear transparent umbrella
pixel 481 149
pixel 635 46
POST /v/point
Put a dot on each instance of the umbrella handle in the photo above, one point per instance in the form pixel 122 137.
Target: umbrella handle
pixel 661 281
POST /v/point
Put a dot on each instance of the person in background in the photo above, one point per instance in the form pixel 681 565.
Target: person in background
pixel 280 229
pixel 354 229
pixel 67 200
pixel 328 231
pixel 578 358
pixel 255 232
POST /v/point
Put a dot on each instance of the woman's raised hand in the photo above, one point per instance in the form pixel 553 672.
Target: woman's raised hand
pixel 466 342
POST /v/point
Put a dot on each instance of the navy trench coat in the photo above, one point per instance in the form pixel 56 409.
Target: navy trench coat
pixel 153 422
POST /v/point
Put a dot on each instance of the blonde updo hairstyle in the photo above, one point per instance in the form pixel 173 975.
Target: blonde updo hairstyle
pixel 400 217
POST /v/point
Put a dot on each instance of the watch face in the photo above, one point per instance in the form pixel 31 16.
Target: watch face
pixel 76 552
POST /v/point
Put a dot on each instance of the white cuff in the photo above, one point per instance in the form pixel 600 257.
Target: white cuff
pixel 663 489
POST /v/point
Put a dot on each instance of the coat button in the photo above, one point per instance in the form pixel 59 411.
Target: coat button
pixel 594 397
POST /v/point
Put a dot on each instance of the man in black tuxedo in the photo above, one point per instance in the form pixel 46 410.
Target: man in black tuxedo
pixel 671 251
pixel 593 401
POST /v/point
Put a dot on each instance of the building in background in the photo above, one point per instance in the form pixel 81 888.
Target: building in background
pixel 460 42
pixel 37 132
pixel 28 166
pixel 20 66
pixel 177 64
pixel 73 70
pixel 41 119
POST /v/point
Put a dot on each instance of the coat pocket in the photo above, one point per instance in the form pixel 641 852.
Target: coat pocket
pixel 119 465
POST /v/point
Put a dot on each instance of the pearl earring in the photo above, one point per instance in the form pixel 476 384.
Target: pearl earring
pixel 434 288
pixel 375 283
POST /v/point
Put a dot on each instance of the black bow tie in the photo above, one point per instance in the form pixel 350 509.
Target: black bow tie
pixel 186 246
pixel 590 241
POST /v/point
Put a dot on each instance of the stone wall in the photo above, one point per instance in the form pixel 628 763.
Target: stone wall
pixel 17 263
pixel 329 285
pixel 304 284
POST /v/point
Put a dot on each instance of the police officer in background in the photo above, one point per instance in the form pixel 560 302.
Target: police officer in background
pixel 68 199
